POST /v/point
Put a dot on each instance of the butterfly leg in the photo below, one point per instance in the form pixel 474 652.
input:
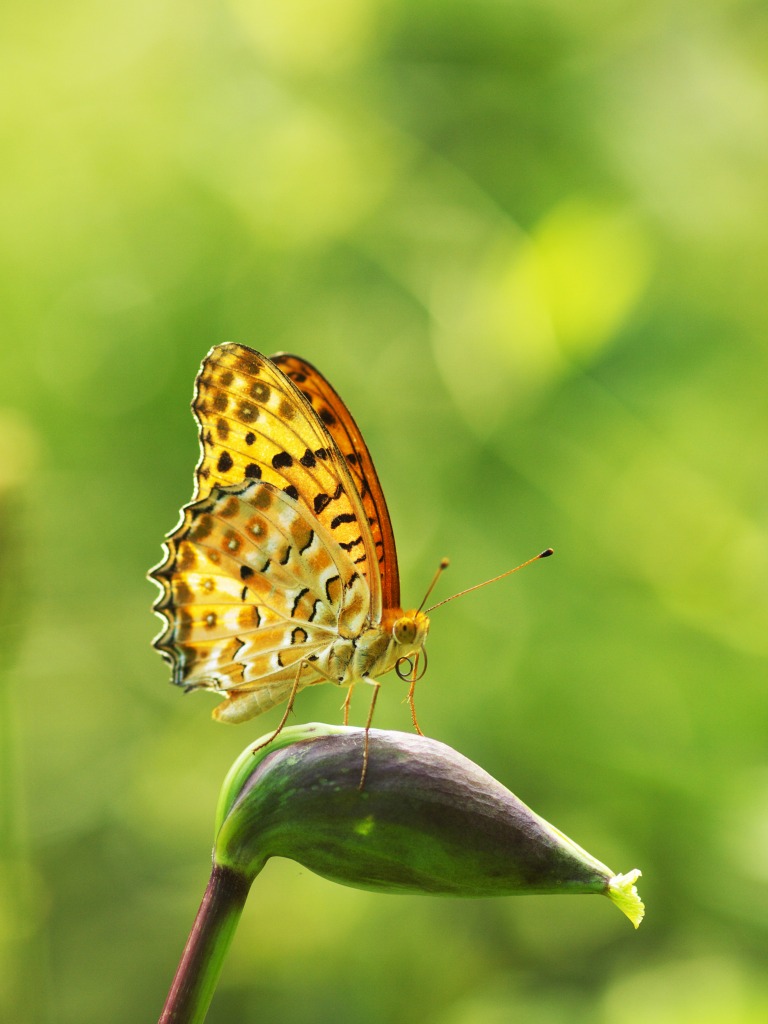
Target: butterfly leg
pixel 412 706
pixel 409 698
pixel 345 705
pixel 288 710
pixel 376 687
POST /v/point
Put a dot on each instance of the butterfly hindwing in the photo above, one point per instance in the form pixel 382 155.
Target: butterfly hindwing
pixel 251 586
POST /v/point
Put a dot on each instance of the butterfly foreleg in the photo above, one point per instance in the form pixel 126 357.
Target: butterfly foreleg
pixel 286 713
pixel 414 678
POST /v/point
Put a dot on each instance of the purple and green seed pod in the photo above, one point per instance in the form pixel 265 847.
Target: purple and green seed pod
pixel 427 820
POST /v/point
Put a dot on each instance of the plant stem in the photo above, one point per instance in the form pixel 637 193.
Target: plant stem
pixel 201 962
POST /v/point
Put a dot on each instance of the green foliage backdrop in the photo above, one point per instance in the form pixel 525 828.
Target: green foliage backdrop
pixel 527 242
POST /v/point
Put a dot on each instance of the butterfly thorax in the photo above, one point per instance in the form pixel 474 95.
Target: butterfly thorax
pixel 376 649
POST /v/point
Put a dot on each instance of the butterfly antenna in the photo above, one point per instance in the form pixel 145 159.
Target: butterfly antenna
pixel 461 593
pixel 444 563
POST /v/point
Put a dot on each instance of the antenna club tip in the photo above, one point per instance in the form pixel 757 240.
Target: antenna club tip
pixel 547 553
pixel 444 563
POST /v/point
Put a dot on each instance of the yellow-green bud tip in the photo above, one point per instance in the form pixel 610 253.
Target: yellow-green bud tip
pixel 623 892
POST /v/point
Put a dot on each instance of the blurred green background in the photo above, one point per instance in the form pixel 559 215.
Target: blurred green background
pixel 527 242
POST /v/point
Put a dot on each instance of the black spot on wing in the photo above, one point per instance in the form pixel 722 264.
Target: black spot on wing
pixel 345 517
pixel 260 391
pixel 322 501
pixel 247 412
pixel 225 462
pixel 299 596
pixel 328 584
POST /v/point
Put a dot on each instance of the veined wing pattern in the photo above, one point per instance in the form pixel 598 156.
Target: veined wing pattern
pixel 283 570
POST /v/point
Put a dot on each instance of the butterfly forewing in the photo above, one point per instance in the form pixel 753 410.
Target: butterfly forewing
pixel 342 427
pixel 255 424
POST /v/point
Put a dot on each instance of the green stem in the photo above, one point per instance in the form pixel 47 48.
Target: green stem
pixel 201 962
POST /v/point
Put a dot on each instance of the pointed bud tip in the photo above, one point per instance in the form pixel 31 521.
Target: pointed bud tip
pixel 623 892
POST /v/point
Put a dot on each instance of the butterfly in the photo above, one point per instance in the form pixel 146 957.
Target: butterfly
pixel 282 572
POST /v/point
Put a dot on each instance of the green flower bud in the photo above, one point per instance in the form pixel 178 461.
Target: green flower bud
pixel 428 820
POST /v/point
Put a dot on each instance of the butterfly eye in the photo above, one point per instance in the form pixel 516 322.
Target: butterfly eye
pixel 404 630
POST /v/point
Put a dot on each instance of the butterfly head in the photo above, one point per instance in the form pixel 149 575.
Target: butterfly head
pixel 410 632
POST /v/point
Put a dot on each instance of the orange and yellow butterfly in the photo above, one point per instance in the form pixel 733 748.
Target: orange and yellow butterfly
pixel 283 571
